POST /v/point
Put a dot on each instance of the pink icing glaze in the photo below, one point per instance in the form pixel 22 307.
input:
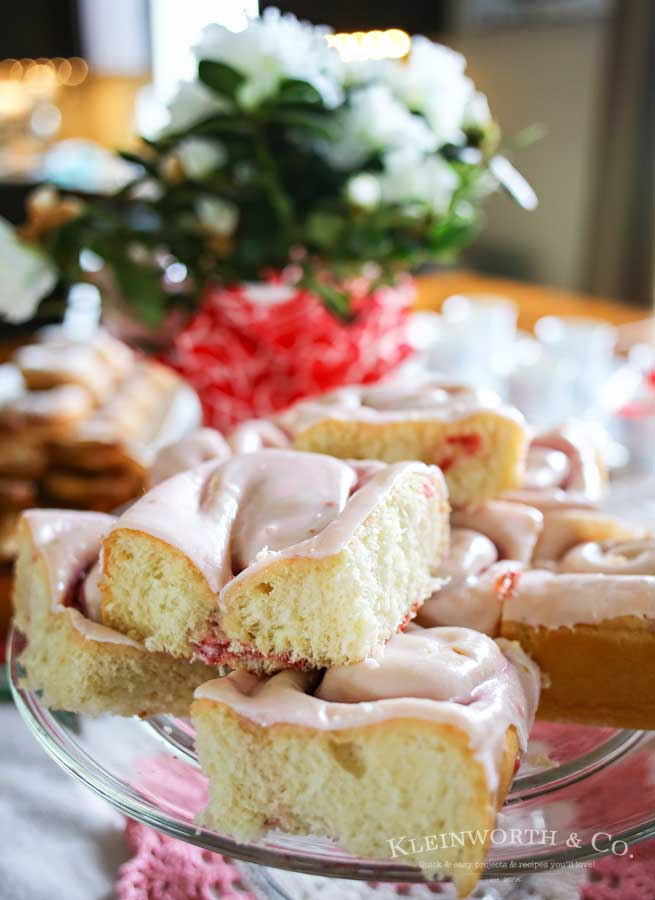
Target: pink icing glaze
pixel 452 676
pixel 476 584
pixel 242 513
pixel 562 470
pixel 583 473
pixel 137 399
pixel 199 446
pixel 68 543
pixel 551 498
pixel 514 528
pixel 70 361
pixel 554 600
pixel 565 527
pixel 257 434
pixel 96 631
pixel 65 401
pixel 612 557
pixel 272 517
pixel 395 402
pixel 114 353
pixel 545 468
pixel 435 664
pixel 469 554
pixel 90 596
pixel 153 408
pixel 178 412
pixel 472 601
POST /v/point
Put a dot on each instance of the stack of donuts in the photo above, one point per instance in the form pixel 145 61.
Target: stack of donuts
pixel 363 602
pixel 80 423
pixel 86 419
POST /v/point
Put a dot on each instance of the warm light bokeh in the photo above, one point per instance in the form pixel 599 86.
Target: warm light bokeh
pixel 361 45
pixel 45 73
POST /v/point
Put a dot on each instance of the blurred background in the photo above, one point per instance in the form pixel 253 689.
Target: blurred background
pixel 80 76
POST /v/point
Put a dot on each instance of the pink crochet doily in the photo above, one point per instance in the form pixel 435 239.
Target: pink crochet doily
pixel 629 877
pixel 167 869
pixel 164 868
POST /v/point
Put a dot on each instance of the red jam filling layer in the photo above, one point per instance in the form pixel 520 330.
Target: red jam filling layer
pixel 506 584
pixel 217 652
pixel 462 445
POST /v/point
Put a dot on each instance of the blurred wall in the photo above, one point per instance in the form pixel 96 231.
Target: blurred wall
pixel 115 36
pixel 621 251
pixel 551 75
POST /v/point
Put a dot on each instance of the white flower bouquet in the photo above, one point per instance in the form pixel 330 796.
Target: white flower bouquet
pixel 280 157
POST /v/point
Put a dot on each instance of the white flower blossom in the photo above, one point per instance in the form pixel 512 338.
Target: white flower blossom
pixel 412 180
pixel 271 49
pixel 200 156
pixel 373 121
pixel 27 276
pixel 218 216
pixel 148 190
pixel 368 71
pixel 432 82
pixel 477 113
pixel 364 190
pixel 192 103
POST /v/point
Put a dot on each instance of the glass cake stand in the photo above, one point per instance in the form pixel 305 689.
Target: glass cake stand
pixel 581 792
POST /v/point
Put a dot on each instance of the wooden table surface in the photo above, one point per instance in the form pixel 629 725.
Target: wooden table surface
pixel 533 300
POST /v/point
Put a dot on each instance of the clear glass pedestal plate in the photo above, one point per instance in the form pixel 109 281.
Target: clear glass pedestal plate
pixel 581 792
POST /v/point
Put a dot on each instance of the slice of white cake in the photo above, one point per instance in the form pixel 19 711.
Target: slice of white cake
pixel 479 444
pixel 276 559
pixel 77 663
pixel 407 755
pixel 589 622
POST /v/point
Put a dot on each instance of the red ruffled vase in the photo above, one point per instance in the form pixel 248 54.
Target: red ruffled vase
pixel 251 350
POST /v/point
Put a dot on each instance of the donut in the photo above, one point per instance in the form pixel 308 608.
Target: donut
pixel 20 458
pixel 96 365
pixel 100 491
pixel 17 493
pixel 151 409
pixel 41 414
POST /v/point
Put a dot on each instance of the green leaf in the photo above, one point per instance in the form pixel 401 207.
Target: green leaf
pixel 338 302
pixel 294 92
pixel 303 119
pixel 141 289
pixel 135 159
pixel 324 228
pixel 449 235
pixel 222 79
pixel 64 245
